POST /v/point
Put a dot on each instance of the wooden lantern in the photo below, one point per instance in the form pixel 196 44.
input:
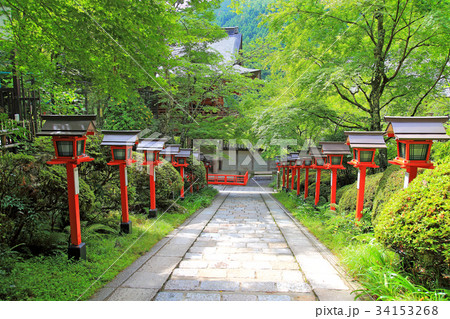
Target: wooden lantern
pixel 319 162
pixel 414 136
pixel 122 143
pixel 364 146
pixel 69 140
pixel 152 148
pixel 180 160
pixel 335 152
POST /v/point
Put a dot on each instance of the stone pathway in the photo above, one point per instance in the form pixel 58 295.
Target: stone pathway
pixel 243 247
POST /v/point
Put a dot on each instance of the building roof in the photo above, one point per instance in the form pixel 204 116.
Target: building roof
pixel 67 125
pixel 361 139
pixel 171 149
pixel 417 128
pixel 151 144
pixel 228 47
pixel 335 148
pixel 120 138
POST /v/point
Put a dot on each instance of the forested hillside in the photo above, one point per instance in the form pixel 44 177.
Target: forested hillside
pixel 247 20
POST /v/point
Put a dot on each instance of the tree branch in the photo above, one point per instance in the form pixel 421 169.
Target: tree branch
pixel 392 99
pixel 344 97
pixel 444 65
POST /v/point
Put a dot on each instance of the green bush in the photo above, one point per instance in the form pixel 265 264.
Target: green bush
pixel 168 185
pixel 198 170
pixel 348 199
pixel 340 192
pixel 416 223
pixel 390 183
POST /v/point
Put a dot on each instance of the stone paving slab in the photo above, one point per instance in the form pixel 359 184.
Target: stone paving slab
pixel 145 276
pixel 243 247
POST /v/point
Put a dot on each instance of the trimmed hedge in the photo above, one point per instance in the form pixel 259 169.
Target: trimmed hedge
pixel 198 170
pixel 347 201
pixel 168 185
pixel 390 183
pixel 416 223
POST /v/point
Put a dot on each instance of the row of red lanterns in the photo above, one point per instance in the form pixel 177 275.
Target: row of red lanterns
pixel 69 140
pixel 414 137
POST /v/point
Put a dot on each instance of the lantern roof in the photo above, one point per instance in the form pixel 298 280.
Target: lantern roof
pixel 306 158
pixel 316 151
pixel 292 156
pixel 120 138
pixel 361 139
pixel 151 144
pixel 417 127
pixel 171 149
pixel 67 125
pixel 184 153
pixel 335 148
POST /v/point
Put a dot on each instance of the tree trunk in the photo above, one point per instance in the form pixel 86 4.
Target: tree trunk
pixel 376 83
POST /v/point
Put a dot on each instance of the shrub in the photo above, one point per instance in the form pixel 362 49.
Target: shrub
pixel 168 185
pixel 341 192
pixel 416 223
pixel 390 183
pixel 348 199
pixel 197 169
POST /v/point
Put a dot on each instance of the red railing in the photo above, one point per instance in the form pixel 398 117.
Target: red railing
pixel 218 179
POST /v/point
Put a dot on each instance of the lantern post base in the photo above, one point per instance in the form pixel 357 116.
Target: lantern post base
pixel 181 198
pixel 152 213
pixel 77 252
pixel 126 228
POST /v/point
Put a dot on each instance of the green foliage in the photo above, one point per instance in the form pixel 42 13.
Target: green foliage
pixel 343 65
pixel 131 114
pixel 168 185
pixel 390 183
pixel 197 170
pixel 247 19
pixel 56 278
pixel 415 222
pixel 377 269
pixel 111 46
pixel 440 151
pixel 343 190
pixel 348 199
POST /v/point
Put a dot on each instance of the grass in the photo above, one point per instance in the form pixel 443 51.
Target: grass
pixel 56 278
pixel 377 269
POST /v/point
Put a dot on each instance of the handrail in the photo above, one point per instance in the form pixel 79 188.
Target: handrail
pixel 223 179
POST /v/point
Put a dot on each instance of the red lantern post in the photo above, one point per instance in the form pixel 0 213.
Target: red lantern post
pixel 69 140
pixel 335 152
pixel 319 162
pixel 364 145
pixel 181 162
pixel 152 148
pixel 292 159
pixel 207 164
pixel 278 164
pixel 299 165
pixel 414 136
pixel 122 143
pixel 283 165
pixel 307 164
